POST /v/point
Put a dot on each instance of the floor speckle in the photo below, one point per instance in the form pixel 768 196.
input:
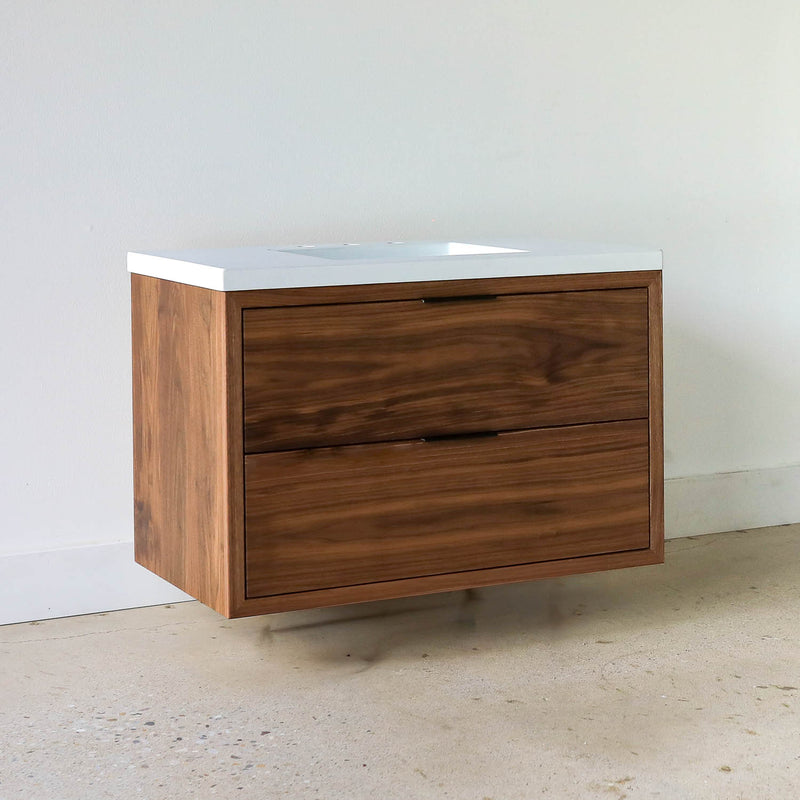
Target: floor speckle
pixel 678 681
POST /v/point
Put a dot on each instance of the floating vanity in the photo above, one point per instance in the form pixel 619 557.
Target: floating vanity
pixel 318 425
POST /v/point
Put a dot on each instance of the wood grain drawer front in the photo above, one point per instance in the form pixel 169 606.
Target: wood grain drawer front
pixel 347 374
pixel 361 514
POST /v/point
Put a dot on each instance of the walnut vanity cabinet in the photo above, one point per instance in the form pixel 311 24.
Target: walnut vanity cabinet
pixel 309 445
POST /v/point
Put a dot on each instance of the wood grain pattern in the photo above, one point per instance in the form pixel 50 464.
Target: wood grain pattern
pixel 343 516
pixel 181 433
pixel 656 416
pixel 327 375
pixel 380 292
pixel 234 414
pixel 445 582
pixel 189 466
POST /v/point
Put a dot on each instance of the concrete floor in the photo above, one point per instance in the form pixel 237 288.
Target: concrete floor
pixel 676 682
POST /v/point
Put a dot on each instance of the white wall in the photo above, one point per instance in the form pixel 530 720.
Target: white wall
pixel 134 125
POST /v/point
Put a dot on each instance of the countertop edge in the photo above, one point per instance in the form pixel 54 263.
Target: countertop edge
pixel 220 278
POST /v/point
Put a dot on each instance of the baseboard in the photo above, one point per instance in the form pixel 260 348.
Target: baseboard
pixel 78 580
pixel 95 578
pixel 728 501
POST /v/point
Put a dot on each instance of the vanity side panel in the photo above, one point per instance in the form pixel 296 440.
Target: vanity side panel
pixel 180 434
pixel 656 415
pixel 234 415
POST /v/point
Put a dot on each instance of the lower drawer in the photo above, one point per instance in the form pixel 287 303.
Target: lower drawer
pixel 351 515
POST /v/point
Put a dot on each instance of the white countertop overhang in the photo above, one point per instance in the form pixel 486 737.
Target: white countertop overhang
pixel 294 266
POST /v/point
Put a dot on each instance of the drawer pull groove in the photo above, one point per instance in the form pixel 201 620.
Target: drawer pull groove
pixel 460 298
pixel 452 437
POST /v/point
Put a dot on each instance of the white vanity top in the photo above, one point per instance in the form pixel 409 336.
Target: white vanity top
pixel 293 266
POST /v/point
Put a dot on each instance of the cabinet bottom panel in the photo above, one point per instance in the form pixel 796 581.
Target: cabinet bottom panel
pixel 337 517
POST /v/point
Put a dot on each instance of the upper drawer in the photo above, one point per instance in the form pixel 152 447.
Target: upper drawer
pixel 365 372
